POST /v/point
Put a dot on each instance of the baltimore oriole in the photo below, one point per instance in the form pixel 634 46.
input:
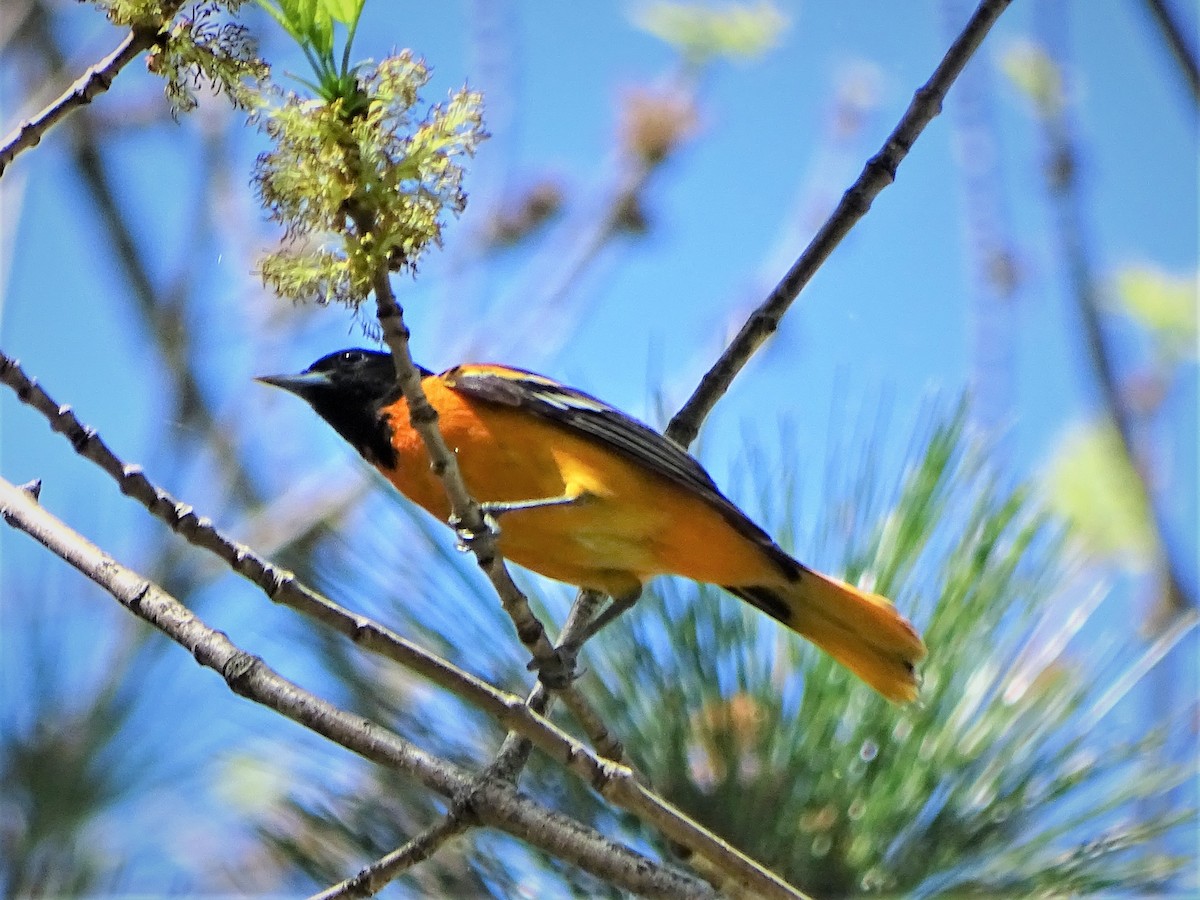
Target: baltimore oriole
pixel 595 498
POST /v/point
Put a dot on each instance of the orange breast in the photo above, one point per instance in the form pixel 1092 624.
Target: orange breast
pixel 630 525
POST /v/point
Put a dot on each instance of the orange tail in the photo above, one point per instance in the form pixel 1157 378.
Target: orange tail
pixel 861 631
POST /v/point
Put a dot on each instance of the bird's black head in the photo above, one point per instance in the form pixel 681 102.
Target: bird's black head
pixel 347 389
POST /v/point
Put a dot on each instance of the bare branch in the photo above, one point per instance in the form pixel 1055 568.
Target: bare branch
pixel 554 669
pixel 879 172
pixel 495 802
pixel 94 82
pixel 373 878
pixel 467 518
pixel 996 277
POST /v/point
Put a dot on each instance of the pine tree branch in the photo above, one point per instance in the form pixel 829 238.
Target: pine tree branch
pixel 879 172
pixel 495 802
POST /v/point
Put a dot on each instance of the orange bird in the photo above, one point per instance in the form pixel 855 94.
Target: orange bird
pixel 595 498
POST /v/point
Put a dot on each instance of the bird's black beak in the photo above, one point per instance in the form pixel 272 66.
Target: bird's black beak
pixel 301 385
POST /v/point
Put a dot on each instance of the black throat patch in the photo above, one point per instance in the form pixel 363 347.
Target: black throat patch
pixel 361 422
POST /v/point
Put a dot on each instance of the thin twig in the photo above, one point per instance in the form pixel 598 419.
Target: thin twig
pixel 467 517
pixel 372 879
pixel 879 172
pixel 94 82
pixel 1177 43
pixel 996 276
pixel 554 669
pixel 495 802
pixel 548 312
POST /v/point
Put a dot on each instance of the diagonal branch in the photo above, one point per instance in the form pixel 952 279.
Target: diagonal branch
pixel 94 82
pixel 370 880
pixel 879 172
pixel 466 516
pixel 510 760
pixel 495 802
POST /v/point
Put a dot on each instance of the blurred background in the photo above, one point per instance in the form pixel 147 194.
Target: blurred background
pixel 935 415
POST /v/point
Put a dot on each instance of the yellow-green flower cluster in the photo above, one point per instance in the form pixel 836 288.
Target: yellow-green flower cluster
pixel 195 47
pixel 359 183
pixel 139 13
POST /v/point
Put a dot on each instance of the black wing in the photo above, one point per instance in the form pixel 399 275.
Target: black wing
pixel 586 415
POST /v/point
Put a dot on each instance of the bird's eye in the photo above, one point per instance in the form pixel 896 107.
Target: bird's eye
pixel 351 356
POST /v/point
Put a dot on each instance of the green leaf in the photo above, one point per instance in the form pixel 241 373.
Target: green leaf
pixel 1163 304
pixel 321 32
pixel 345 11
pixel 1092 483
pixel 298 15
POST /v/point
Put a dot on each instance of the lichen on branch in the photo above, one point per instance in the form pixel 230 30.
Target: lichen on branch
pixel 366 158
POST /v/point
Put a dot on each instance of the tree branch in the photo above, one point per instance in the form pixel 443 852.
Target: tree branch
pixel 370 880
pixel 94 82
pixel 554 669
pixel 879 172
pixel 494 801
pixel 466 516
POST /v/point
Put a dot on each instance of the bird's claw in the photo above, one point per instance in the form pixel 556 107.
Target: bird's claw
pixel 467 536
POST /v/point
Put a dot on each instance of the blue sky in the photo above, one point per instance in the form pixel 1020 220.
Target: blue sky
pixel 888 319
